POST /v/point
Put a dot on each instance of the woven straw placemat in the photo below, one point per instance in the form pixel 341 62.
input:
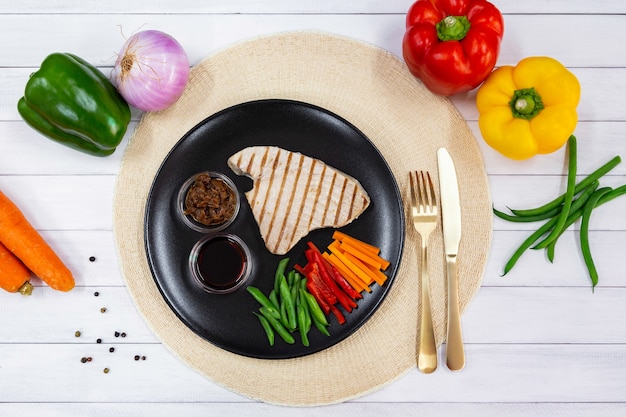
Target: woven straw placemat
pixel 372 89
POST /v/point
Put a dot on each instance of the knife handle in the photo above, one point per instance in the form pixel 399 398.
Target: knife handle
pixel 455 353
pixel 427 351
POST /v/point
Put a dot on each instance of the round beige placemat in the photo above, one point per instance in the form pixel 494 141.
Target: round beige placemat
pixel 372 89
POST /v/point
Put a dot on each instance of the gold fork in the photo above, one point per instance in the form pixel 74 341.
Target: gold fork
pixel 424 214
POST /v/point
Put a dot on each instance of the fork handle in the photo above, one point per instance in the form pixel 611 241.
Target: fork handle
pixel 455 354
pixel 427 352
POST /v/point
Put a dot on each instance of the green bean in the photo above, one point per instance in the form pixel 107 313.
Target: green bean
pixel 528 243
pixel 524 219
pixel 264 301
pixel 302 325
pixel 305 307
pixel 283 314
pixel 280 272
pixel 584 233
pixel 285 296
pixel 320 326
pixel 569 193
pixel 293 290
pixel 550 250
pixel 619 191
pixel 290 277
pixel 575 212
pixel 279 328
pixel 267 327
pixel 597 174
pixel 316 312
pixel 274 298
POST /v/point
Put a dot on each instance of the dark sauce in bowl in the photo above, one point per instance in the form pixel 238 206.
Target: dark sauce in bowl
pixel 208 202
pixel 220 263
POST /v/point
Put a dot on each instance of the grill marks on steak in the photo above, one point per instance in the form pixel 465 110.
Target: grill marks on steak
pixel 293 194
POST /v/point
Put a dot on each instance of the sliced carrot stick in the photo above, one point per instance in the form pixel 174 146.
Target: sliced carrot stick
pixel 357 271
pixel 350 276
pixel 362 256
pixel 21 238
pixel 365 247
pixel 381 278
pixel 334 244
pixel 363 267
pixel 363 253
pixel 14 276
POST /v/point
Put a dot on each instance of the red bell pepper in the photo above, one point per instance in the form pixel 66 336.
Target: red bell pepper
pixel 315 283
pixel 343 284
pixel 452 45
pixel 340 317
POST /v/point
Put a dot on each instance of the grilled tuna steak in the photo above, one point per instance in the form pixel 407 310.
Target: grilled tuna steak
pixel 293 194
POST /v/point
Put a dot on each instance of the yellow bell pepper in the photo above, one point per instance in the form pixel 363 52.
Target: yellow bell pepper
pixel 528 109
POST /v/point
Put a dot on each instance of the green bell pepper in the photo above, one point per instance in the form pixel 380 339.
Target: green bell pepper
pixel 71 102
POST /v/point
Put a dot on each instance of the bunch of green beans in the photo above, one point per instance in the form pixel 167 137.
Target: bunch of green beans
pixel 288 307
pixel 577 202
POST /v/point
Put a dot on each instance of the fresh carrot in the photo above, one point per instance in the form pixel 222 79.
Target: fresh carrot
pixel 365 254
pixel 380 278
pixel 362 256
pixel 363 276
pixel 365 247
pixel 14 276
pixel 365 268
pixel 21 238
pixel 350 276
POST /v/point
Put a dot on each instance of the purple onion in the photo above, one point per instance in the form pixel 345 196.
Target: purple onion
pixel 151 71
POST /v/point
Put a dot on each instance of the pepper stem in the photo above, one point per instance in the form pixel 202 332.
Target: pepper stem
pixel 526 103
pixel 453 28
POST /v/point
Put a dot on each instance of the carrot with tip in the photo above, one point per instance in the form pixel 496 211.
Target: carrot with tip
pixel 23 240
pixel 14 276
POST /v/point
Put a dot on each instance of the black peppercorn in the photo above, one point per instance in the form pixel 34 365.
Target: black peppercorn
pixel 92 259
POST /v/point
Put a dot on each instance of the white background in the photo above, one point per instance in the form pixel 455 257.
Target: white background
pixel 539 342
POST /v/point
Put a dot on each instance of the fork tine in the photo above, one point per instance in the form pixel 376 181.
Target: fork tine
pixel 433 199
pixel 413 197
pixel 425 194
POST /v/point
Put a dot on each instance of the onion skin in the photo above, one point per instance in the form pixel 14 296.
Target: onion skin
pixel 151 71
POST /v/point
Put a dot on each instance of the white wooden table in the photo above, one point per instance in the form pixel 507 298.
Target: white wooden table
pixel 539 342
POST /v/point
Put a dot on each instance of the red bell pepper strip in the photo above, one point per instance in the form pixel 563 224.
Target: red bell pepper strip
pixel 343 284
pixel 346 302
pixel 319 282
pixel 313 290
pixel 340 317
pixel 325 273
pixel 299 268
pixel 452 45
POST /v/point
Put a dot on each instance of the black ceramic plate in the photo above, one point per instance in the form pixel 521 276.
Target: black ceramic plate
pixel 226 320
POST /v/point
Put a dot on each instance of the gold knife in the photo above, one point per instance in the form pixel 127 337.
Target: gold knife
pixel 451 220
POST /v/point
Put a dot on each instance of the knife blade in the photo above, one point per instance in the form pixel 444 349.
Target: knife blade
pixel 451 221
